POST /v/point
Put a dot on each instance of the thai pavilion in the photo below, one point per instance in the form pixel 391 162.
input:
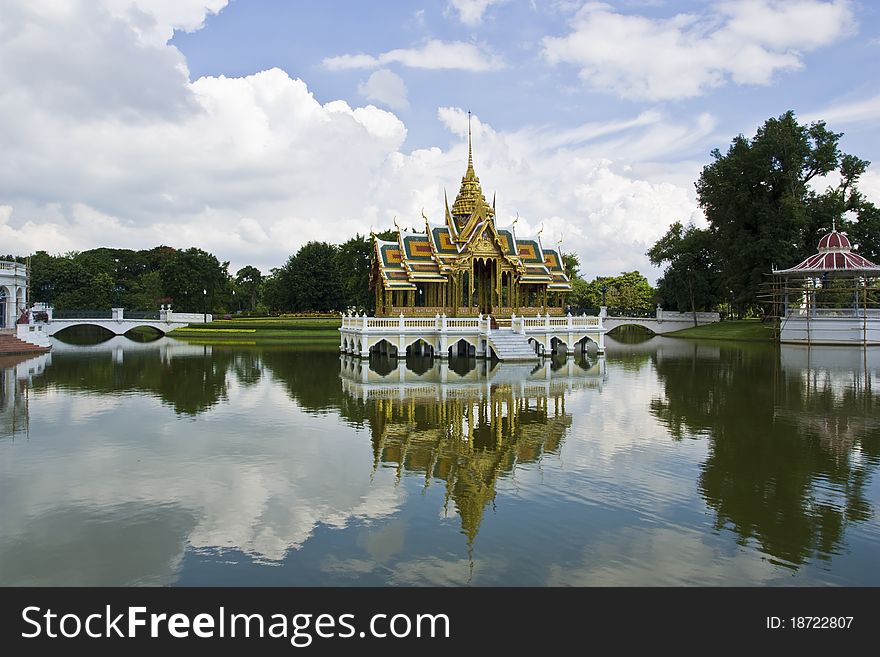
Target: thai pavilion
pixel 829 298
pixel 467 266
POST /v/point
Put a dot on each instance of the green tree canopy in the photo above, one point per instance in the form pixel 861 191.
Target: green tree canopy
pixel 691 280
pixel 761 209
pixel 248 287
pixel 314 278
pixel 193 279
pixel 353 261
pixel 629 290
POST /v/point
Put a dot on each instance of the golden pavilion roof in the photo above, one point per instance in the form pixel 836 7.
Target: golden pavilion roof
pixel 427 257
pixel 470 195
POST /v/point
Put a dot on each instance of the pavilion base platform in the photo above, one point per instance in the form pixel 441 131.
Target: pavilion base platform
pixel 525 339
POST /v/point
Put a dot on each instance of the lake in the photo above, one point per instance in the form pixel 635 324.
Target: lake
pixel 666 462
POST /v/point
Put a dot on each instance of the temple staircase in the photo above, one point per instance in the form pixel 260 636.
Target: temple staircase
pixel 10 344
pixel 510 346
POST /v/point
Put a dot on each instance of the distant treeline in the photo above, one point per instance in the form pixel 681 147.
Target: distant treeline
pixel 319 277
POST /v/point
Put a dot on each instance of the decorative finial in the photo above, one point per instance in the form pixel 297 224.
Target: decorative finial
pixel 470 149
pixel 395 222
pixel 541 229
pixel 423 214
pixel 833 224
pixel 515 220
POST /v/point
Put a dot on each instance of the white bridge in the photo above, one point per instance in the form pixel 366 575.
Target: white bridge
pixel 526 338
pixel 42 323
pixel 663 321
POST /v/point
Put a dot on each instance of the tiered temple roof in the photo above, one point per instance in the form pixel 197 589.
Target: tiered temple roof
pixel 429 256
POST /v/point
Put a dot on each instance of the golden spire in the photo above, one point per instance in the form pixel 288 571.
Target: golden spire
pixel 470 167
pixel 470 195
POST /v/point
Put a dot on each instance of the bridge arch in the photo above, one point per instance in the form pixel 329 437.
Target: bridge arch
pixel 463 348
pixel 649 325
pixel 381 347
pixel 419 347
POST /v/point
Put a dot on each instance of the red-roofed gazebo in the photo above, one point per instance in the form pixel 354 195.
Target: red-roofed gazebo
pixel 830 297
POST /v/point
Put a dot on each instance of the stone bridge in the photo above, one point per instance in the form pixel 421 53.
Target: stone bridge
pixel 662 321
pixel 117 323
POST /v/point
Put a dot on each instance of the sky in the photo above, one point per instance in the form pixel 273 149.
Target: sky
pixel 250 127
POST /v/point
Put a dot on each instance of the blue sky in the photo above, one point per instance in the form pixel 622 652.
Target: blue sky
pixel 250 127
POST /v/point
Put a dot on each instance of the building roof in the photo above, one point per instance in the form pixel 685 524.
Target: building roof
pixel 427 257
pixel 835 255
pixel 470 195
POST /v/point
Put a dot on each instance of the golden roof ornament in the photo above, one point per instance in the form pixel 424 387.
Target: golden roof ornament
pixel 470 195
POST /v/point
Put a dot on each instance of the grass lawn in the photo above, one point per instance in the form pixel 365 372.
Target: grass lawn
pixel 752 330
pixel 275 329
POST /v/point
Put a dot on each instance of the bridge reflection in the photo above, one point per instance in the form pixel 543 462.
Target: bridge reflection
pixel 466 426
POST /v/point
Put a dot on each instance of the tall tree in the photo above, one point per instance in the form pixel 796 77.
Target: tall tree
pixel 691 279
pixel 314 277
pixel 248 284
pixel 758 202
pixel 353 261
pixel 194 280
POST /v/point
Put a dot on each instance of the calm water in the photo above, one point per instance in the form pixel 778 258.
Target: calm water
pixel 668 462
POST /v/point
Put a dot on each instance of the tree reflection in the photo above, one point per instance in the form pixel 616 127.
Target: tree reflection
pixel 793 443
pixel 191 379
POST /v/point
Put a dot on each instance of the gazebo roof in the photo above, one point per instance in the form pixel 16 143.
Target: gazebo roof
pixel 835 255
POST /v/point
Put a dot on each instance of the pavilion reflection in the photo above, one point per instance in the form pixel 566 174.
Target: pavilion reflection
pixel 831 393
pixel 468 423
pixel 16 378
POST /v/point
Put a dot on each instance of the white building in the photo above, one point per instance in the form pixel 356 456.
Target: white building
pixel 13 292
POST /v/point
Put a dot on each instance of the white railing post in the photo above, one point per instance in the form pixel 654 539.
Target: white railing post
pixel 400 322
pixel 443 322
pixel 569 321
pixel 547 321
pixel 364 321
pixel 659 313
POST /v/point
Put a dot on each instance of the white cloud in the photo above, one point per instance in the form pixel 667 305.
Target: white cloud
pixel 434 54
pixel 386 87
pixel 470 12
pixel 856 111
pixel 251 168
pixel 747 42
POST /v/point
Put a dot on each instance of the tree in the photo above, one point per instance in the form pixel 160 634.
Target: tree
pixel 313 277
pixel 193 279
pixel 760 207
pixel 248 285
pixel 571 263
pixel 353 261
pixel 278 289
pixel 630 290
pixel 691 279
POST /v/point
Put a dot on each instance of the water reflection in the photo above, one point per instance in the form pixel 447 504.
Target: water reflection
pixel 793 440
pixel 16 378
pixel 466 424
pixel 667 462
